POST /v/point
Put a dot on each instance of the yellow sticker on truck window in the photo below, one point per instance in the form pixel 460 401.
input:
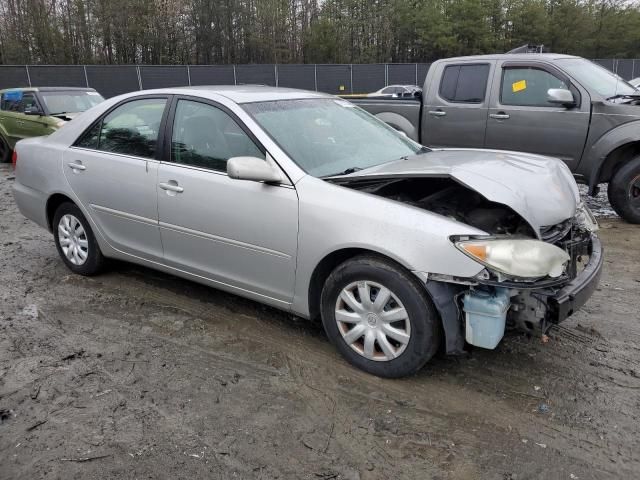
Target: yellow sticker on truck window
pixel 519 86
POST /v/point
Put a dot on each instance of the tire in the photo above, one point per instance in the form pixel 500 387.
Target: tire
pixel 71 231
pixel 422 324
pixel 624 191
pixel 5 151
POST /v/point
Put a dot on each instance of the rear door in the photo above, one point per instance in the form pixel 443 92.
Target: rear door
pixel 10 115
pixel 113 171
pixel 240 234
pixel 455 110
pixel 520 118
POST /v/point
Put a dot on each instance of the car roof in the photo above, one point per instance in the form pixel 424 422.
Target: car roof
pixel 511 56
pixel 242 93
pixel 49 89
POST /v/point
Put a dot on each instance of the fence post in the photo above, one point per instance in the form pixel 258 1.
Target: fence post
pixel 386 74
pixel 189 75
pixel 139 77
pixel 633 69
pixel 351 77
pixel 275 72
pixel 235 79
pixel 26 67
pixel 86 79
pixel 315 75
pixel 417 75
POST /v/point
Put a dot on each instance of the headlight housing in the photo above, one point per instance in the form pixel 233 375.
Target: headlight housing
pixel 585 218
pixel 524 258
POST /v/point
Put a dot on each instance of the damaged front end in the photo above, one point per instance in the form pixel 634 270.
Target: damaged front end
pixel 533 277
pixel 537 303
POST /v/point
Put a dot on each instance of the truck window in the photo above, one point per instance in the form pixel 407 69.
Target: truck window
pixel 527 86
pixel 464 83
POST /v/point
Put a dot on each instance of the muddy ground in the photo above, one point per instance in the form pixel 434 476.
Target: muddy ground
pixel 137 374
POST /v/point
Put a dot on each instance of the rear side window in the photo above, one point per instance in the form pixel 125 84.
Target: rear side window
pixel 528 86
pixel 10 101
pixel 464 83
pixel 130 129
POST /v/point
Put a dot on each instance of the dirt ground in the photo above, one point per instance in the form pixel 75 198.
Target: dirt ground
pixel 137 374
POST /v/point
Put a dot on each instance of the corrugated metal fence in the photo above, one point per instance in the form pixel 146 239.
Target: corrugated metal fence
pixel 111 80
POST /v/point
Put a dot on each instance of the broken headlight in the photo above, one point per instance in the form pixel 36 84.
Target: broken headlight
pixel 585 219
pixel 522 258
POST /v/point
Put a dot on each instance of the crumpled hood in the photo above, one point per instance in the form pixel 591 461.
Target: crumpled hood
pixel 540 189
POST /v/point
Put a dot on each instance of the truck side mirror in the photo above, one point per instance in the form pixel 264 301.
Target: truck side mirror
pixel 561 96
pixel 35 111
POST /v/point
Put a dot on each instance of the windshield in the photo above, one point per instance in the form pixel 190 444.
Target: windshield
pixel 330 136
pixel 596 77
pixel 70 102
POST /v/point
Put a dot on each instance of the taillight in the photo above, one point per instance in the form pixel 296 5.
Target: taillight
pixel 14 159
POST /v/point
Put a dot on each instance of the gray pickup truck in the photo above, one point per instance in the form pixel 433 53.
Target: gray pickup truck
pixel 549 104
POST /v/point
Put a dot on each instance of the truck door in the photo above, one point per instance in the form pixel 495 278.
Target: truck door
pixel 520 118
pixel 455 110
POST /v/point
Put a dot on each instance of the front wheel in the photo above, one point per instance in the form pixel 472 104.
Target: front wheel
pixel 624 191
pixel 379 317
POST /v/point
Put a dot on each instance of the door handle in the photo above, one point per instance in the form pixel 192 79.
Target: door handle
pixel 171 186
pixel 76 166
pixel 437 113
pixel 20 122
pixel 500 116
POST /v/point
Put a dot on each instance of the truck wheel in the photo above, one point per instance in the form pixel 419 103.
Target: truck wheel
pixel 624 191
pixel 5 151
pixel 379 317
pixel 75 241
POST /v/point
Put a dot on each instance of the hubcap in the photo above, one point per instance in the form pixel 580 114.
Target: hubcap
pixel 73 240
pixel 372 320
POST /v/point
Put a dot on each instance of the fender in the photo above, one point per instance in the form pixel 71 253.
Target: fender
pixel 596 156
pixel 399 123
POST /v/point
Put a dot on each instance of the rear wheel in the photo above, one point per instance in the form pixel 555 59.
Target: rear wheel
pixel 5 151
pixel 379 317
pixel 624 191
pixel 75 241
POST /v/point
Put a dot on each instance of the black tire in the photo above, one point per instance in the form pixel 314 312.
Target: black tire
pixel 424 321
pixel 5 151
pixel 94 261
pixel 624 191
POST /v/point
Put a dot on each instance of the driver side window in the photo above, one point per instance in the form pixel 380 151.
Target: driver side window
pixel 206 136
pixel 528 86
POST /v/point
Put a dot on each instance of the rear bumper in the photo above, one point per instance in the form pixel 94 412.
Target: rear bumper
pixel 575 294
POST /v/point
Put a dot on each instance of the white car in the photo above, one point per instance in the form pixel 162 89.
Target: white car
pixel 396 91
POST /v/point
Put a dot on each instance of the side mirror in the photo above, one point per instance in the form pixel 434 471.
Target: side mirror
pixel 35 111
pixel 254 169
pixel 561 96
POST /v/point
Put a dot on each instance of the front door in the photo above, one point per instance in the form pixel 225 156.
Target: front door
pixel 455 110
pixel 520 118
pixel 240 234
pixel 28 126
pixel 113 171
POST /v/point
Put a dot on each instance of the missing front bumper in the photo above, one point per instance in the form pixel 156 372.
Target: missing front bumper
pixel 534 310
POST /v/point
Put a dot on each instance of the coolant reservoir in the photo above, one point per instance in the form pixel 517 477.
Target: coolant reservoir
pixel 485 316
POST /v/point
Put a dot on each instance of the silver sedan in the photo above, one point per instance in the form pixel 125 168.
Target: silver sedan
pixel 305 202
